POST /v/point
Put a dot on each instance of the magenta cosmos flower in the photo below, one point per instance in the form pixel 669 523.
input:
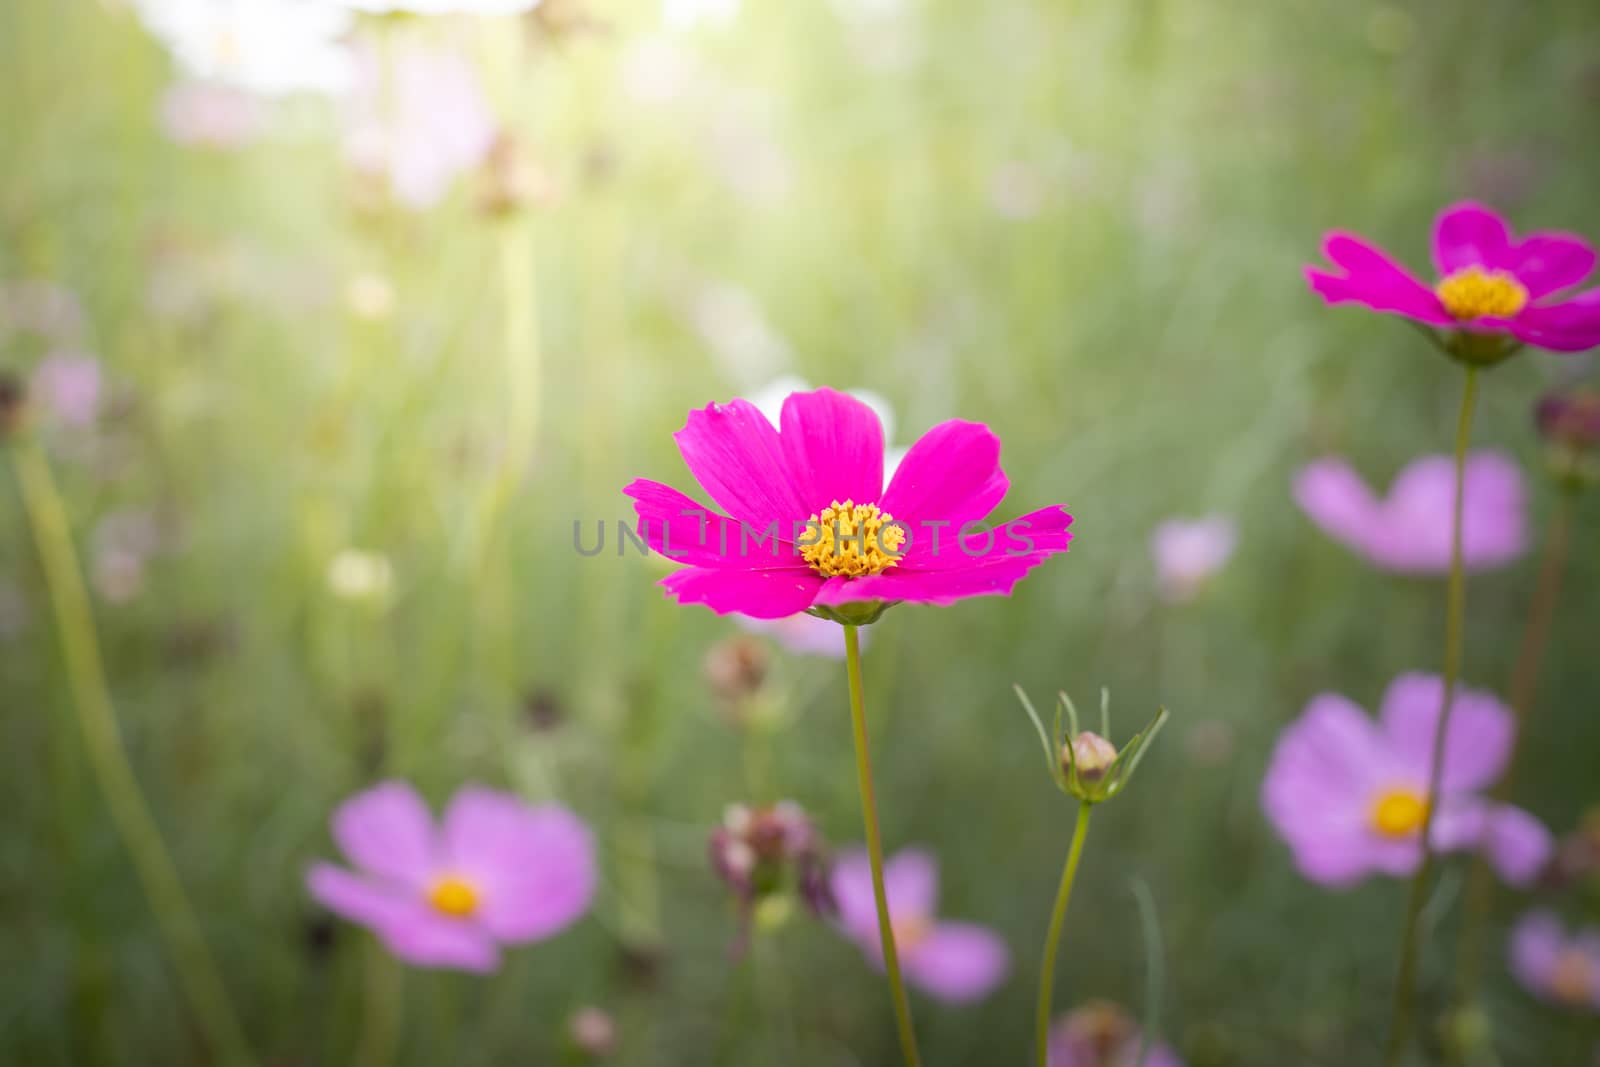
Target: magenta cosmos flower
pixel 1102 1034
pixel 1561 969
pixel 950 961
pixel 810 524
pixel 1489 282
pixel 1408 531
pixel 1350 795
pixel 494 872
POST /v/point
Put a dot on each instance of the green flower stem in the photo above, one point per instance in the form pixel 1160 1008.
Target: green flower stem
pixel 1524 687
pixel 1455 617
pixel 1052 939
pixel 869 818
pixel 102 737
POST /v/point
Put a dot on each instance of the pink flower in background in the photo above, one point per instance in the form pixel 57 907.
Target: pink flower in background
pixel 1102 1034
pixel 1561 969
pixel 1489 282
pixel 426 125
pixel 1189 552
pixel 950 961
pixel 216 116
pixel 810 523
pixel 1349 795
pixel 493 872
pixel 802 634
pixel 1409 531
pixel 68 387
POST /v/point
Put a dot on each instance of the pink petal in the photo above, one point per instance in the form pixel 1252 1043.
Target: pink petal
pixel 1414 535
pixel 911 882
pixel 958 963
pixel 735 455
pixel 387 830
pixel 985 577
pixel 765 594
pixel 682 529
pixel 1478 741
pixel 1570 326
pixel 1537 942
pixel 359 899
pixel 1336 499
pixel 1038 534
pixel 951 473
pixel 535 865
pixel 851 882
pixel 1470 235
pixel 834 447
pixel 1371 278
pixel 1518 845
pixel 1547 263
pixel 428 939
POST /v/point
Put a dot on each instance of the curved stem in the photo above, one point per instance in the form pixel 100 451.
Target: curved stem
pixel 102 738
pixel 1524 687
pixel 1455 618
pixel 1052 939
pixel 869 817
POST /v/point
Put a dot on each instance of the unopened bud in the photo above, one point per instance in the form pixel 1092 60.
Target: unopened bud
pixel 736 668
pixel 1092 756
pixel 593 1032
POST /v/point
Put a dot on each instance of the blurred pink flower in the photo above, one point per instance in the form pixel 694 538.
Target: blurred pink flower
pixel 68 387
pixel 1189 552
pixel 950 961
pixel 1409 532
pixel 122 544
pixel 802 634
pixel 1561 969
pixel 204 113
pixel 1490 282
pixel 424 126
pixel 1102 1034
pixel 494 872
pixel 1349 796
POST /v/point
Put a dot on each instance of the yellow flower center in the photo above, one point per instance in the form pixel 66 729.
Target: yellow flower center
pixel 1399 813
pixel 851 540
pixel 454 897
pixel 1472 293
pixel 1572 978
pixel 910 931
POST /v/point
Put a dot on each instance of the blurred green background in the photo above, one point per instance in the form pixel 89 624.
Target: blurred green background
pixel 1080 223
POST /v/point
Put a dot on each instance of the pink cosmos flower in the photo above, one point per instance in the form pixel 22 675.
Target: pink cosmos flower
pixel 494 871
pixel 1561 969
pixel 1349 796
pixel 950 961
pixel 809 523
pixel 1490 282
pixel 1102 1034
pixel 1409 531
pixel 1187 553
pixel 68 386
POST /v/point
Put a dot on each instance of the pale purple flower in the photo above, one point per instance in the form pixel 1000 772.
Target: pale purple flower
pixel 494 871
pixel 1555 967
pixel 68 387
pixel 421 124
pixel 955 962
pixel 1102 1034
pixel 1349 795
pixel 802 634
pixel 205 113
pixel 1189 552
pixel 1409 530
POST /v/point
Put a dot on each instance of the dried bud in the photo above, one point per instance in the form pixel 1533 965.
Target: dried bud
pixel 1570 417
pixel 13 404
pixel 736 668
pixel 593 1032
pixel 1092 756
pixel 766 853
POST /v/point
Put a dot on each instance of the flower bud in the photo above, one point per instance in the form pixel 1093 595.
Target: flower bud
pixel 1569 422
pixel 1092 756
pixel 593 1032
pixel 768 857
pixel 736 668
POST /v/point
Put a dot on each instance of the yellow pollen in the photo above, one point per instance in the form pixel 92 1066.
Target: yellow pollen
pixel 1474 293
pixel 1573 978
pixel 1399 813
pixel 851 540
pixel 454 897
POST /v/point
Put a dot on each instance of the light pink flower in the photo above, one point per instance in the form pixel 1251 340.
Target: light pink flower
pixel 428 125
pixel 68 387
pixel 204 113
pixel 493 872
pixel 1409 530
pixel 1349 795
pixel 1189 552
pixel 1490 282
pixel 802 634
pixel 950 961
pixel 1558 968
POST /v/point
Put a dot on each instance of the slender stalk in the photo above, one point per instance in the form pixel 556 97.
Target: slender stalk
pixel 1524 688
pixel 1052 939
pixel 869 818
pixel 1455 619
pixel 102 738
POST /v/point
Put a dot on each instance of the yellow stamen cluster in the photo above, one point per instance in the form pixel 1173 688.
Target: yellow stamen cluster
pixel 454 897
pixel 1399 813
pixel 1473 293
pixel 851 540
pixel 1573 977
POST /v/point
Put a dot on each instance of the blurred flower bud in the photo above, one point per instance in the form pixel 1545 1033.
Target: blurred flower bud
pixel 13 404
pixel 512 180
pixel 1569 422
pixel 542 711
pixel 767 854
pixel 593 1032
pixel 736 668
pixel 1577 857
pixel 1092 755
